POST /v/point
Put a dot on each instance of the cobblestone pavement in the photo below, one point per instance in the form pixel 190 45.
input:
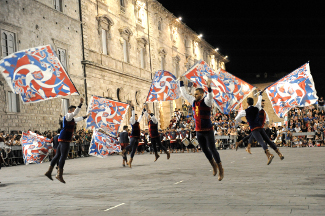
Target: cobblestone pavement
pixel 183 185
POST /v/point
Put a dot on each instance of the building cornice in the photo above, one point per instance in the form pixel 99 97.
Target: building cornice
pixel 117 72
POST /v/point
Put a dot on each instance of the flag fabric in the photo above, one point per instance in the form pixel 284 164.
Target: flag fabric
pixel 106 114
pixel 35 147
pixel 164 87
pixel 240 107
pixel 102 145
pixel 297 89
pixel 228 90
pixel 37 75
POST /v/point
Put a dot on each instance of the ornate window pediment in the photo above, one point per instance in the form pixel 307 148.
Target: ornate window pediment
pixel 125 32
pixel 104 22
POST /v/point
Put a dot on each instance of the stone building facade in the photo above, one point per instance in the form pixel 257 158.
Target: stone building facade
pixel 127 41
pixel 110 48
pixel 31 23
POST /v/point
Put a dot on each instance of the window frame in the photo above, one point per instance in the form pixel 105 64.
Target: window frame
pixel 9 100
pixel 65 62
pixel 60 2
pixel 3 31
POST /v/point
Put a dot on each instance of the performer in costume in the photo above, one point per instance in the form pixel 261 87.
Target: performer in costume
pixel 124 141
pixel 64 139
pixel 162 139
pixel 167 140
pixel 173 142
pixel 154 135
pixel 55 142
pixel 183 134
pixel 263 118
pixel 254 116
pixel 203 125
pixel 135 136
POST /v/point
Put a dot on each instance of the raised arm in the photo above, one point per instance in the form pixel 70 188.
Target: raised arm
pixel 132 119
pixel 152 116
pixel 259 101
pixel 184 93
pixel 143 112
pixel 208 100
pixel 70 116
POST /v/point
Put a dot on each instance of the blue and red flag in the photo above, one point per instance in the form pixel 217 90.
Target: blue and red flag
pixel 228 90
pixel 106 114
pixel 102 145
pixel 297 89
pixel 164 87
pixel 36 74
pixel 35 147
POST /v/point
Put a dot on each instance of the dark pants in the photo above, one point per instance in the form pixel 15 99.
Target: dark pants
pixel 134 142
pixel 154 142
pixel 260 136
pixel 61 154
pixel 249 138
pixel 207 144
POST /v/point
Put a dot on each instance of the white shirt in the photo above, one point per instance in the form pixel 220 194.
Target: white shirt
pixel 243 112
pixel 208 100
pixel 153 118
pixel 132 119
pixel 70 116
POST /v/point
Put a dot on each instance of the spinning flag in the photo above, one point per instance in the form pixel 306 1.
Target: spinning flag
pixel 106 114
pixel 35 147
pixel 228 90
pixel 164 87
pixel 102 145
pixel 297 89
pixel 36 74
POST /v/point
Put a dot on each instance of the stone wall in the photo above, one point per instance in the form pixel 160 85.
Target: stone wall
pixel 137 23
pixel 37 23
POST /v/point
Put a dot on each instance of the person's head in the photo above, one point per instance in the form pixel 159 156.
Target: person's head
pixel 71 109
pixel 250 101
pixel 136 117
pixel 198 94
pixel 125 127
pixel 263 103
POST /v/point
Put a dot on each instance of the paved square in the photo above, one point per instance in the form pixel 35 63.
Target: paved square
pixel 183 185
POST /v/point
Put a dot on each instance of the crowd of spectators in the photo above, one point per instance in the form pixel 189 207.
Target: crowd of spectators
pixel 11 150
pixel 309 119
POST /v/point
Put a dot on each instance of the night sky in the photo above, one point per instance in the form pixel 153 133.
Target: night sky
pixel 259 37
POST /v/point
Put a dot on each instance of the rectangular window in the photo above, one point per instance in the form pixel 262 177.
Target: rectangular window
pixel 58 5
pixel 162 63
pixel 122 3
pixel 176 69
pixel 142 57
pixel 62 57
pixel 126 51
pixel 104 41
pixel 13 102
pixel 7 43
pixel 65 106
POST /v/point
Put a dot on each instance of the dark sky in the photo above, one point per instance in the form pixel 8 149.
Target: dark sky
pixel 260 36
